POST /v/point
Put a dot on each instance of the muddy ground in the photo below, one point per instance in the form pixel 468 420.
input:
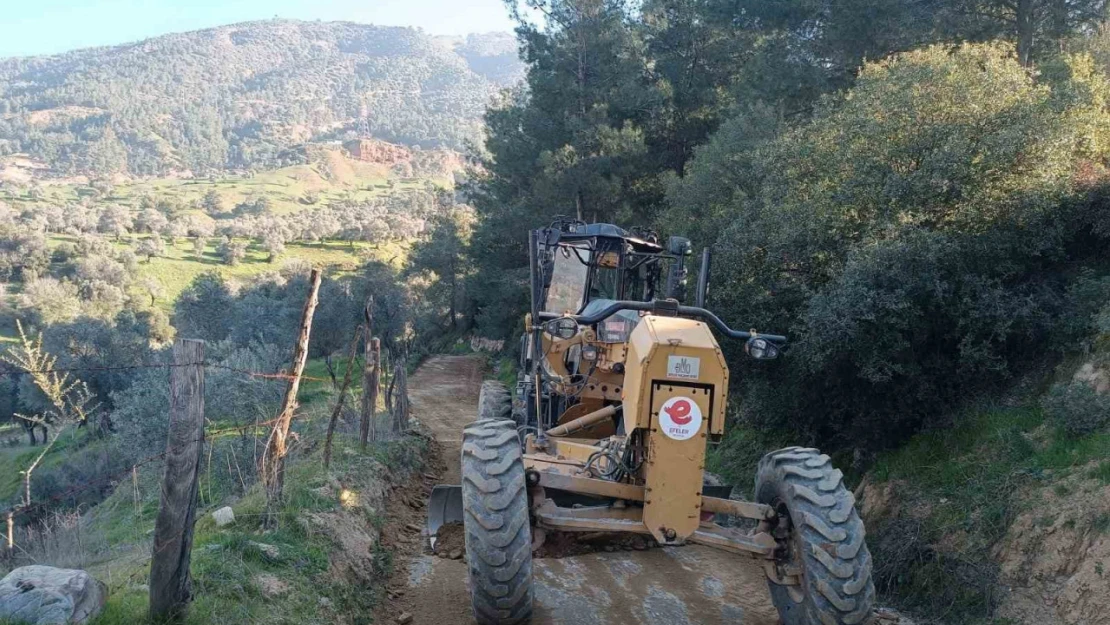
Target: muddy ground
pixel 670 586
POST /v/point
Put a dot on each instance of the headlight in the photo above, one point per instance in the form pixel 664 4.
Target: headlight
pixel 614 330
pixel 589 353
pixel 761 349
pixel 564 328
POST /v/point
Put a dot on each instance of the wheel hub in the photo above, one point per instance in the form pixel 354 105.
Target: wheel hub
pixel 786 569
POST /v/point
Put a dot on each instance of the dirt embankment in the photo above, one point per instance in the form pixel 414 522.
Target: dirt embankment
pixel 1053 562
pixel 1055 559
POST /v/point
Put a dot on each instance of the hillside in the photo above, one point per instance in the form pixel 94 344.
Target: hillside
pixel 240 96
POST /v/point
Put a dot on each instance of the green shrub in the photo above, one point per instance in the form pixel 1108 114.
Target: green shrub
pixel 1077 408
pixel 915 240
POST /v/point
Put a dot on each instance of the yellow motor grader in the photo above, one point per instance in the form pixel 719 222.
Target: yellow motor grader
pixel 622 389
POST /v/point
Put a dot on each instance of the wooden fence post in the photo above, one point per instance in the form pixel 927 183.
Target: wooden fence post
pixel 11 531
pixel 173 531
pixel 135 494
pixel 369 385
pixel 273 460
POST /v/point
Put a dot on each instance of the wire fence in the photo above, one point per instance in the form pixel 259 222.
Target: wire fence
pixel 10 371
pixel 110 479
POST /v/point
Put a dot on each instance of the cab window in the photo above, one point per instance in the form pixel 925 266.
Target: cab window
pixel 568 280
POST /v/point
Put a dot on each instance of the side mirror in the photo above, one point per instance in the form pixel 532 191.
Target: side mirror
pixel 761 349
pixel 676 281
pixel 679 246
pixel 703 279
pixel 547 265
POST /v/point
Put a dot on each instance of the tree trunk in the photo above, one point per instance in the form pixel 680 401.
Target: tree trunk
pixel 342 396
pixel 392 380
pixel 1059 22
pixel 454 297
pixel 173 531
pixel 369 364
pixel 273 460
pixel 375 384
pixel 1025 21
pixel 329 364
pixel 401 402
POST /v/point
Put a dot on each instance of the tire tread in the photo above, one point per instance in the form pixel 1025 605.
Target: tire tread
pixel 496 521
pixel 837 585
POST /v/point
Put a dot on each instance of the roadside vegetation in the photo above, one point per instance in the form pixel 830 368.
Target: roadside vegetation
pixel 112 279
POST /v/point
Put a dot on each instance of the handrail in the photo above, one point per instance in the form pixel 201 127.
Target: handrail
pixel 665 307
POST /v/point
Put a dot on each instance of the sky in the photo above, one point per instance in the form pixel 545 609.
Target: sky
pixel 29 27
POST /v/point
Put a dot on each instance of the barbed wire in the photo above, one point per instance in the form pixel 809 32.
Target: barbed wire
pixel 103 481
pixel 107 480
pixel 281 375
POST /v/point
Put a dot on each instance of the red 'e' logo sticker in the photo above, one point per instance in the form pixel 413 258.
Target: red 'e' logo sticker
pixel 680 418
pixel 679 412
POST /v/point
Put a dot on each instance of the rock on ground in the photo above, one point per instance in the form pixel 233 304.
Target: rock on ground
pixel 224 516
pixel 270 552
pixel 270 586
pixel 44 595
pixel 886 616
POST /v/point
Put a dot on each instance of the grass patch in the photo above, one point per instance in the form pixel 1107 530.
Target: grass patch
pixel 1101 472
pixel 180 265
pixel 1102 523
pixel 736 457
pixel 507 371
pixel 13 460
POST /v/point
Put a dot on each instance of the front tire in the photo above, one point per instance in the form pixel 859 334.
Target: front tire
pixel 498 532
pixel 825 542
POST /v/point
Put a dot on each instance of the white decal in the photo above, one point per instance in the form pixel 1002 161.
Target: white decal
pixel 683 367
pixel 680 418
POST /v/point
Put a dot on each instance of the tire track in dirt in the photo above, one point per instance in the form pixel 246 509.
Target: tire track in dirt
pixel 675 585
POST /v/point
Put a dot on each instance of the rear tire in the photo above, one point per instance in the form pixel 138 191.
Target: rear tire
pixel 826 542
pixel 498 532
pixel 494 401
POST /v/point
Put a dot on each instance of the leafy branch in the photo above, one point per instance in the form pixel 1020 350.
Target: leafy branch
pixel 71 403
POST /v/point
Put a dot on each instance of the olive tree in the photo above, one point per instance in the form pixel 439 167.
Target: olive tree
pixel 231 251
pixel 151 247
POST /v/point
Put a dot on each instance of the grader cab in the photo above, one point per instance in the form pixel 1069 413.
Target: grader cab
pixel 622 388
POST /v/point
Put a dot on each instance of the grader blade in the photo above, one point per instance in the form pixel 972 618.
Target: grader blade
pixel 445 506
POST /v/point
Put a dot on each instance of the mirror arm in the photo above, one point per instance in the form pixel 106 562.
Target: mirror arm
pixel 537 330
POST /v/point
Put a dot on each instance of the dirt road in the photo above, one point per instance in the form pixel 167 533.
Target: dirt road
pixel 671 586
